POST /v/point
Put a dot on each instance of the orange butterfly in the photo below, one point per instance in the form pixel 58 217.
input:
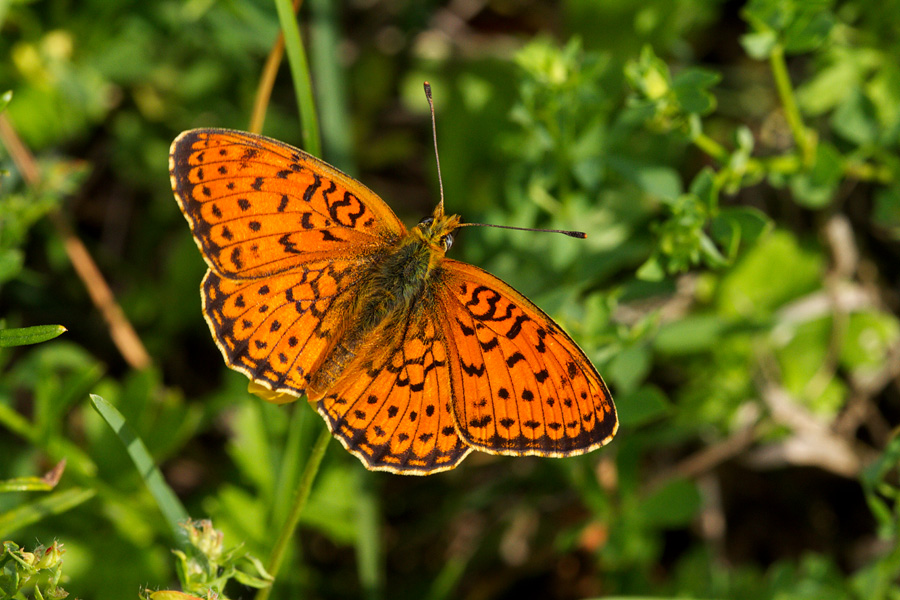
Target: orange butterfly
pixel 315 287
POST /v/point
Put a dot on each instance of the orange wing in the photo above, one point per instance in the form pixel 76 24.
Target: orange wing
pixel 520 385
pixel 285 236
pixel 277 330
pixel 392 405
pixel 257 206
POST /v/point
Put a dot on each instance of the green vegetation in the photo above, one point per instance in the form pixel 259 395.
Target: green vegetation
pixel 734 166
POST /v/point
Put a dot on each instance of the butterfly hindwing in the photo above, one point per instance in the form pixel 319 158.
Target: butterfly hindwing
pixel 277 330
pixel 391 407
pixel 258 207
pixel 520 384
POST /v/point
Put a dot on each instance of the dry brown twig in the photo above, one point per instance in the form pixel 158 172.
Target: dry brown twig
pixel 812 442
pixel 705 460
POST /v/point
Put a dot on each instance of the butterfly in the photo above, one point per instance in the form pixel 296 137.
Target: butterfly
pixel 413 359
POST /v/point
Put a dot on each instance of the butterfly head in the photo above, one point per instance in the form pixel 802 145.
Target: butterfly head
pixel 437 231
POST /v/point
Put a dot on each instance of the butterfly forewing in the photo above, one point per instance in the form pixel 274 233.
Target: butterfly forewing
pixel 520 384
pixel 259 207
pixel 392 405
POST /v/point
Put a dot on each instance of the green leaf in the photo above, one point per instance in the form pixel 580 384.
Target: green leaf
pixel 629 367
pixel 691 90
pixel 5 99
pixel 673 505
pixel 11 262
pixel 666 102
pixel 649 75
pixel 856 119
pixel 752 223
pixel 810 28
pixel 166 500
pixel 24 484
pixel 51 504
pixel 711 254
pixel 886 213
pixel 797 25
pixel 641 406
pixel 816 188
pixel 704 187
pixel 690 335
pixel 832 84
pixel 801 355
pixel 651 270
pixel 753 288
pixel 759 44
pixel 868 340
pixel 881 492
pixel 34 484
pixel 658 181
pixel 24 336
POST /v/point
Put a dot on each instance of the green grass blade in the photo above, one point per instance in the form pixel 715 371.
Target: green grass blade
pixel 24 336
pixel 301 495
pixel 296 54
pixel 168 502
pixel 25 484
pixel 52 504
pixel 324 39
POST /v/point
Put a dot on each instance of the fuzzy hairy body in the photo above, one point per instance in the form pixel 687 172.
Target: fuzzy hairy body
pixel 395 278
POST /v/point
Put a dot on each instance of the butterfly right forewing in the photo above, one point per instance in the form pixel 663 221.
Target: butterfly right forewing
pixel 258 207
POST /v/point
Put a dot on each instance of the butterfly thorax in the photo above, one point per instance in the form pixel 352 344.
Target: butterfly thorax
pixel 396 278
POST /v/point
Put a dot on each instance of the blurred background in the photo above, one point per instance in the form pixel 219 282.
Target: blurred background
pixel 734 165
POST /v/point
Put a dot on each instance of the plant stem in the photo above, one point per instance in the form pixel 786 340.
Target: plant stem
pixel 789 102
pixel 868 172
pixel 309 122
pixel 368 536
pixel 711 147
pixel 293 456
pixel 312 142
pixel 267 81
pixel 300 497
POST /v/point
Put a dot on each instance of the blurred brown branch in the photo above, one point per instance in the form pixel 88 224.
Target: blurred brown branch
pixel 120 329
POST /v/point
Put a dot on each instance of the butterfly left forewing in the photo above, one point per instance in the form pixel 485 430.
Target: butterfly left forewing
pixel 391 405
pixel 521 385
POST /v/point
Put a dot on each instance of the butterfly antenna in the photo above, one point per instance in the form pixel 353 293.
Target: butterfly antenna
pixel 440 208
pixel 575 234
pixel 437 158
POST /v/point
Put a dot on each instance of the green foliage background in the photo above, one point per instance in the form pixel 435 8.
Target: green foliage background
pixel 735 166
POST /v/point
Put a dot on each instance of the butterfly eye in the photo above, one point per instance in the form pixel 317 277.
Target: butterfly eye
pixel 447 241
pixel 426 221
